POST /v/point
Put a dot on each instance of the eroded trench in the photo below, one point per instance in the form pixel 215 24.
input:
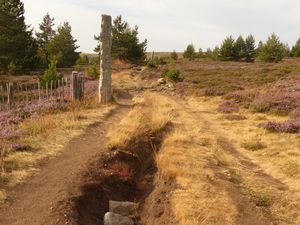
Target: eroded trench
pixel 127 174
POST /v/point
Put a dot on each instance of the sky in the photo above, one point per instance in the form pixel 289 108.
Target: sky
pixel 172 24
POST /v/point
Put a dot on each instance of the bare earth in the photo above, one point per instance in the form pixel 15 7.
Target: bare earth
pixel 34 202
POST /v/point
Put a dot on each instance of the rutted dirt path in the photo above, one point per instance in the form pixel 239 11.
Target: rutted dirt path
pixel 38 201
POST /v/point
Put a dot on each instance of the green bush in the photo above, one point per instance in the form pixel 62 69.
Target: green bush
pixel 12 69
pixel 190 52
pixel 93 72
pixel 174 55
pixel 50 74
pixel 156 61
pixel 173 74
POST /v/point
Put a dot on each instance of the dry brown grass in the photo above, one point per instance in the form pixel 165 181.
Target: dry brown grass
pixel 46 135
pixel 218 181
pixel 274 179
pixel 151 113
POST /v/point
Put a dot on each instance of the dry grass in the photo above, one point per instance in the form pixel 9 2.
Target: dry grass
pixel 214 173
pixel 46 135
pixel 274 180
pixel 151 113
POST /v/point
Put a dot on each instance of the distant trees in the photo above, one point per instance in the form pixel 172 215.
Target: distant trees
pixel 273 50
pixel 20 52
pixel 190 52
pixel 295 52
pixel 125 42
pixel 239 50
pixel 18 48
pixel 174 55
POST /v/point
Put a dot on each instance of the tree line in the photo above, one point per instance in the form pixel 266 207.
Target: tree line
pixel 23 50
pixel 245 49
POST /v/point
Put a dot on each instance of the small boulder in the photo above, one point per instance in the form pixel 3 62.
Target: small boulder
pixel 116 219
pixel 124 208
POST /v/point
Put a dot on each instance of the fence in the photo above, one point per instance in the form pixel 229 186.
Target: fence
pixel 65 89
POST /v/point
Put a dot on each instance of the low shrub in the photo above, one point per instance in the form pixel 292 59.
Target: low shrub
pixel 228 107
pixel 50 74
pixel 174 55
pixel 156 61
pixel 283 127
pixel 173 74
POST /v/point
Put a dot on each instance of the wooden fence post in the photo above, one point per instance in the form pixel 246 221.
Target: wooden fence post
pixel 51 89
pixel 74 85
pixel 10 96
pixel 63 88
pixel 39 90
pixel 2 93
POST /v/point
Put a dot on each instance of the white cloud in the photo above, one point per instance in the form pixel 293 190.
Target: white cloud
pixel 172 24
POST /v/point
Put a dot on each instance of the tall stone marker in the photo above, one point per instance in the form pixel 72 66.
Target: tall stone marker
pixel 105 89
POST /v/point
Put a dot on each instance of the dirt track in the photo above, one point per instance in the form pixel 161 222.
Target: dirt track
pixel 37 201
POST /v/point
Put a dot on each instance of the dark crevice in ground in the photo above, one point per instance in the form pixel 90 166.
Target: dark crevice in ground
pixel 127 173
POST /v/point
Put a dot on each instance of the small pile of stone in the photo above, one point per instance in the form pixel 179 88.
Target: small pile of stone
pixel 121 213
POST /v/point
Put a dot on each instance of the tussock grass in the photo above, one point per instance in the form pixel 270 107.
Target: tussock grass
pixel 253 145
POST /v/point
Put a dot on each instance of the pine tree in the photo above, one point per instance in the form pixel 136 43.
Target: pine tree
pixel 44 36
pixel 239 49
pixel 189 53
pixel 17 46
pixel 46 31
pixel 63 46
pixel 250 48
pixel 227 50
pixel 273 50
pixel 296 49
pixel 125 42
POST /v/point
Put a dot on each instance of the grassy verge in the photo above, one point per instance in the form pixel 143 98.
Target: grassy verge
pixel 42 136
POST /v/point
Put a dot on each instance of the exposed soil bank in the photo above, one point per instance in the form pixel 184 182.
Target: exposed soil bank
pixel 126 174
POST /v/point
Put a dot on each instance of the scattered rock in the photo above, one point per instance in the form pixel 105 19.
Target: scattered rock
pixel 161 81
pixel 117 219
pixel 124 208
pixel 170 85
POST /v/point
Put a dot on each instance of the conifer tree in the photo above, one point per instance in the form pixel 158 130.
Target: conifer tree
pixel 296 49
pixel 63 46
pixel 227 50
pixel 18 48
pixel 125 42
pixel 44 36
pixel 273 50
pixel 190 52
pixel 239 49
pixel 250 48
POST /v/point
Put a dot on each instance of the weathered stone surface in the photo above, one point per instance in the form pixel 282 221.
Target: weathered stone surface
pixel 105 89
pixel 116 219
pixel 123 208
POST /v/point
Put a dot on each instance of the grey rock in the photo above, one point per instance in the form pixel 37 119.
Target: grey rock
pixel 116 219
pixel 124 208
